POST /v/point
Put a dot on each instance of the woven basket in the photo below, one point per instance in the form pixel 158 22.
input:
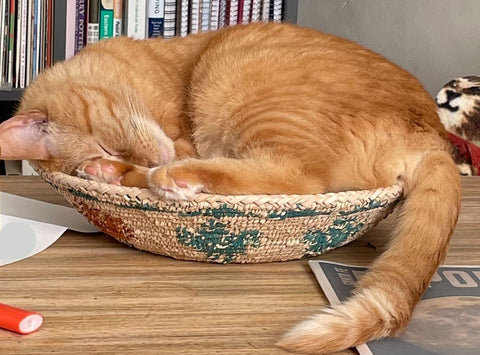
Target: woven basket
pixel 227 229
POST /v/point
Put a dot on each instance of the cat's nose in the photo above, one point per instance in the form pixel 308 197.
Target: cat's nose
pixel 151 164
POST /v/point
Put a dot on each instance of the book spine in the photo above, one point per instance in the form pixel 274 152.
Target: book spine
pixel 206 15
pixel 3 40
pixel 93 27
pixel 11 42
pixel 222 14
pixel 214 15
pixel 30 41
pixel 49 34
pixel 240 11
pixel 233 13
pixel 194 16
pixel 156 15
pixel 247 11
pixel 170 19
pixel 136 19
pixel 266 10
pixel 117 18
pixel 184 16
pixel 41 37
pixel 80 17
pixel 70 29
pixel 256 10
pixel 277 10
pixel 23 43
pixel 106 19
pixel 36 37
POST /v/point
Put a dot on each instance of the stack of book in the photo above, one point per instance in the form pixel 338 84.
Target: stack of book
pixel 29 28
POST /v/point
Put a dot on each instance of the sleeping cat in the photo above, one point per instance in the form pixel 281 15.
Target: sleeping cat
pixel 261 108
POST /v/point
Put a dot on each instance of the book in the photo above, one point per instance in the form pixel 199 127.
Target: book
pixel 106 19
pixel 266 10
pixel 214 15
pixel 233 13
pixel 205 21
pixel 23 15
pixel 93 27
pixel 277 10
pixel 49 34
pixel 29 42
pixel 156 13
pixel 246 13
pixel 70 29
pixel 445 321
pixel 195 13
pixel 222 14
pixel 80 24
pixel 182 17
pixel 136 19
pixel 117 18
pixel 3 40
pixel 11 42
pixel 170 19
pixel 240 11
pixel 256 10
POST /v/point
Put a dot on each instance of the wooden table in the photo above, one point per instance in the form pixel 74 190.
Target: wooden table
pixel 98 295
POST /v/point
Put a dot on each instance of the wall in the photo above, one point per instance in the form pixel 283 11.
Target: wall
pixel 435 40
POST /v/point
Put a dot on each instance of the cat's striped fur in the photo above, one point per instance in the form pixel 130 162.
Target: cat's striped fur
pixel 263 108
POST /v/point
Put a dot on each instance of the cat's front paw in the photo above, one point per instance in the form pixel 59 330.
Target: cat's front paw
pixel 175 181
pixel 103 170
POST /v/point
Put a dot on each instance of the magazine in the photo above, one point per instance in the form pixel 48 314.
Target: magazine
pixel 445 321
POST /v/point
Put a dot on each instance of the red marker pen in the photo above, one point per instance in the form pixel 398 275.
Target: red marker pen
pixel 18 320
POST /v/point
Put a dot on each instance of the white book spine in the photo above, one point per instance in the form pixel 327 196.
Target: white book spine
pixel 214 14
pixel 247 8
pixel 184 19
pixel 233 15
pixel 256 10
pixel 195 17
pixel 222 14
pixel 70 29
pixel 170 18
pixel 18 41
pixel 266 10
pixel 277 10
pixel 137 19
pixel 117 18
pixel 23 44
pixel 205 15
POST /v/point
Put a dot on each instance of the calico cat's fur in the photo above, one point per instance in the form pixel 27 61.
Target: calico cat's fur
pixel 262 108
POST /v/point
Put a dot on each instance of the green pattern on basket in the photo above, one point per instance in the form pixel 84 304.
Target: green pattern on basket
pixel 217 242
pixel 319 241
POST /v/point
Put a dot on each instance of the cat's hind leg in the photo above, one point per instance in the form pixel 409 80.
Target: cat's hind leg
pixel 114 172
pixel 184 179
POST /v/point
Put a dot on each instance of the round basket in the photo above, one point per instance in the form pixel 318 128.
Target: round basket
pixel 227 229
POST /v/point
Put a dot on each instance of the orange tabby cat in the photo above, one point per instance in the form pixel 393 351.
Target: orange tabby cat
pixel 262 108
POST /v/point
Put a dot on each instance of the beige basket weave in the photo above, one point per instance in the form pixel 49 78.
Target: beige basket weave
pixel 227 229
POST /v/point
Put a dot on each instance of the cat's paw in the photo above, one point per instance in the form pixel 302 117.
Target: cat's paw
pixel 103 170
pixel 174 181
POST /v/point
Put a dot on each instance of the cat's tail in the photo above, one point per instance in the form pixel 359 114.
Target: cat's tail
pixel 386 295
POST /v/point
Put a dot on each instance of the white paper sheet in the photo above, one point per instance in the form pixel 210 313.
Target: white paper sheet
pixel 21 238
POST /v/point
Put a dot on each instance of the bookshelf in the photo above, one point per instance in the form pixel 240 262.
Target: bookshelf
pixel 60 9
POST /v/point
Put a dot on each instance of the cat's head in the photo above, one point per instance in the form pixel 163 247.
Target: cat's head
pixel 65 118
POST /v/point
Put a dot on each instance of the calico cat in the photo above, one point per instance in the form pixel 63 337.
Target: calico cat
pixel 255 109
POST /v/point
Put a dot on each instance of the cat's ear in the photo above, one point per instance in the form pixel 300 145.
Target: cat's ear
pixel 24 136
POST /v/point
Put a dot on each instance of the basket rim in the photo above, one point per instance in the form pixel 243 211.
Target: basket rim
pixel 390 193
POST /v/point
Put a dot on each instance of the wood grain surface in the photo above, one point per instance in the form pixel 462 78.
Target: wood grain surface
pixel 100 296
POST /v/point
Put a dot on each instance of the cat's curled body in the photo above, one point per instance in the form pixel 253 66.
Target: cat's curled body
pixel 262 108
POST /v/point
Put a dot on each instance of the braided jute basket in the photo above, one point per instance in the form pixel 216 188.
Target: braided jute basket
pixel 227 229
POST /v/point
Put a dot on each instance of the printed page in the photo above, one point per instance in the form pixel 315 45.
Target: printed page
pixel 445 321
